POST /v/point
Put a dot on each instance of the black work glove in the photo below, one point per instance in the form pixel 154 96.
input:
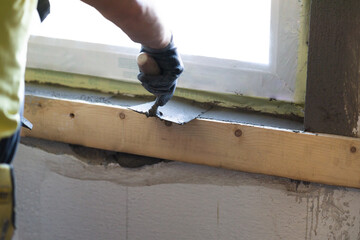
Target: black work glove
pixel 171 66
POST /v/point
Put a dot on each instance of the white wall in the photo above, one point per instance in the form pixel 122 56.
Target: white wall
pixel 60 196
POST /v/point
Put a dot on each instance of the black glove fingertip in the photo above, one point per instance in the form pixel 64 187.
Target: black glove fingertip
pixel 163 99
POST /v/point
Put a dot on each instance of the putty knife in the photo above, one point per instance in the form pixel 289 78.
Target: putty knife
pixel 175 111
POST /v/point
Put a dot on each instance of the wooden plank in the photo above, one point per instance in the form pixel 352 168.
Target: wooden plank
pixel 332 93
pixel 310 157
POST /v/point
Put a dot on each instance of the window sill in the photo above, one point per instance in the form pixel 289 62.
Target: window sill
pixel 111 86
pixel 234 143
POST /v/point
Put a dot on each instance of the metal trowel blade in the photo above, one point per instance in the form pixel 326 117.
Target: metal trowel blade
pixel 176 111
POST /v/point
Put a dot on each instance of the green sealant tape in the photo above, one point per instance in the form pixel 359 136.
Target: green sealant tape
pixel 303 49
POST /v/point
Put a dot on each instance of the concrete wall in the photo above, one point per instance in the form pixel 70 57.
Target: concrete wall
pixel 64 192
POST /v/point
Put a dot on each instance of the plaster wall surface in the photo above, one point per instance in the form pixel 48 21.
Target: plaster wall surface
pixel 62 195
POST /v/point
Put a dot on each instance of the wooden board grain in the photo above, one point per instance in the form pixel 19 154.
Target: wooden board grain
pixel 310 157
pixel 332 93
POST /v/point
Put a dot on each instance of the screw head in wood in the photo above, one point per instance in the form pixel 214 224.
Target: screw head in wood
pixel 238 133
pixel 72 115
pixel 122 115
pixel 353 149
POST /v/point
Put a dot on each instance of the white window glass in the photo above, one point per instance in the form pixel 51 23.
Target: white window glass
pixel 228 29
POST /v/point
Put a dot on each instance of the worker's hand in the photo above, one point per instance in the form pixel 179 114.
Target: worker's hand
pixel 171 66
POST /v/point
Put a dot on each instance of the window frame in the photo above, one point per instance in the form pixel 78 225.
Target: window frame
pixel 248 79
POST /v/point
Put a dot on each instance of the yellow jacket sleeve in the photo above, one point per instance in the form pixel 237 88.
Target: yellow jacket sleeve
pixel 6 202
pixel 15 19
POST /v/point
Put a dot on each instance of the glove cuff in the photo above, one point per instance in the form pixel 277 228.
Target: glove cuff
pixel 171 45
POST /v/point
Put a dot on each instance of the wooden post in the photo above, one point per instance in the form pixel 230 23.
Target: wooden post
pixel 332 93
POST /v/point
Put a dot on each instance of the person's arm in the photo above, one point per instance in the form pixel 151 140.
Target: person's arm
pixel 137 19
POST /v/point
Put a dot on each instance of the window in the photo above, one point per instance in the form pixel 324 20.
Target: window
pixel 245 47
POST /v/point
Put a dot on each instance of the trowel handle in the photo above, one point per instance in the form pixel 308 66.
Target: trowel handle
pixel 147 64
